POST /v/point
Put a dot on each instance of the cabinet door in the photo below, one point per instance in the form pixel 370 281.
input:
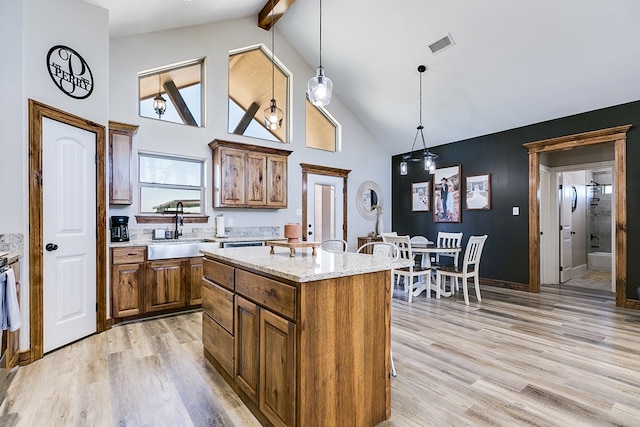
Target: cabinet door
pixel 247 346
pixel 120 151
pixel 194 281
pixel 127 282
pixel 277 368
pixel 277 181
pixel 232 177
pixel 164 285
pixel 256 179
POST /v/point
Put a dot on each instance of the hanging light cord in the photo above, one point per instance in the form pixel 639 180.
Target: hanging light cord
pixel 321 33
pixel 273 68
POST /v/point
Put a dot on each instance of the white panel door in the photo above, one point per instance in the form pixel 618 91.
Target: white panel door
pixel 324 207
pixel 566 229
pixel 69 233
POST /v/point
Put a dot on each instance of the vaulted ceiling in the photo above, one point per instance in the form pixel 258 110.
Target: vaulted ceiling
pixel 513 62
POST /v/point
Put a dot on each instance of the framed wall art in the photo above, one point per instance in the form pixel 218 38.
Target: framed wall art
pixel 446 194
pixel 420 196
pixel 478 192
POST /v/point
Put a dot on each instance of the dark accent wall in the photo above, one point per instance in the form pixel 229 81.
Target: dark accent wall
pixel 506 253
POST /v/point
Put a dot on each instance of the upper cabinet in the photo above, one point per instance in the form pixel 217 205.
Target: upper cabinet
pixel 248 176
pixel 120 158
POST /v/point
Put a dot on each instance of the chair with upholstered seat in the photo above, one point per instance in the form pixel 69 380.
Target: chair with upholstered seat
pixel 403 243
pixel 383 250
pixel 469 270
pixel 334 245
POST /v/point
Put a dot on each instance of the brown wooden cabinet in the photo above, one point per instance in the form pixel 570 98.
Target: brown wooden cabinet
pixel 120 158
pixel 139 286
pixel 300 353
pixel 194 281
pixel 363 240
pixel 249 176
pixel 12 340
pixel 165 285
pixel 127 281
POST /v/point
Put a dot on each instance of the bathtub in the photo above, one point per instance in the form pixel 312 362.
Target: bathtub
pixel 599 261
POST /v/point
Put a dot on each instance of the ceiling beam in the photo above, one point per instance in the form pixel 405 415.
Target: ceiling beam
pixel 178 102
pixel 279 8
pixel 243 124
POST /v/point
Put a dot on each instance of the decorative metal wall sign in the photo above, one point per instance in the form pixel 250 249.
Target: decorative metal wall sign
pixel 70 72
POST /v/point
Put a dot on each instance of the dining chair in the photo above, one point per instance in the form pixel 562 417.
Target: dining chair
pixel 403 243
pixel 334 245
pixel 383 250
pixel 469 270
pixel 445 239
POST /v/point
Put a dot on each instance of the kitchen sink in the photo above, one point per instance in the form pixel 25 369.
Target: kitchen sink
pixel 178 249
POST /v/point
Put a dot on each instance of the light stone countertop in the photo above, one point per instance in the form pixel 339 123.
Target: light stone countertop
pixel 303 267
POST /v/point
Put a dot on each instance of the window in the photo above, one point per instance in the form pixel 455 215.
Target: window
pixel 181 86
pixel 323 131
pixel 250 86
pixel 164 181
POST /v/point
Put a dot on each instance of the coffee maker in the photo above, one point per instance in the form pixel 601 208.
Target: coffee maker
pixel 119 228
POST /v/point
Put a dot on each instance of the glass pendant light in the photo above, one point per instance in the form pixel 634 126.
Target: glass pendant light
pixel 273 115
pixel 428 158
pixel 319 87
pixel 159 103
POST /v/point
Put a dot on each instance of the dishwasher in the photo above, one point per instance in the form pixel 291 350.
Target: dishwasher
pixel 238 244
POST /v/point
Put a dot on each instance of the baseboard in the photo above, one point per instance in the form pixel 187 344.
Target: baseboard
pixel 505 284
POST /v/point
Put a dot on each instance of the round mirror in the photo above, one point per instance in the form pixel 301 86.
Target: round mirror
pixel 369 200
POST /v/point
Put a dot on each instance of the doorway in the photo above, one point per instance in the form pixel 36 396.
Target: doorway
pixel 580 221
pixel 617 136
pixel 41 116
pixel 324 202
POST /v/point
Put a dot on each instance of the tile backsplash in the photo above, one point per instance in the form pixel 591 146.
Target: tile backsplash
pixel 210 232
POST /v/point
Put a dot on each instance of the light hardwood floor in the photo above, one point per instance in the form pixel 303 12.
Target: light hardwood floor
pixel 563 357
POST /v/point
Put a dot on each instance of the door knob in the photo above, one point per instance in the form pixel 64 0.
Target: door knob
pixel 51 247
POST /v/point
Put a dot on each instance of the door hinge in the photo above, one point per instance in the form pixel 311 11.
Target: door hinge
pixel 96 159
pixel 560 187
pixel 560 268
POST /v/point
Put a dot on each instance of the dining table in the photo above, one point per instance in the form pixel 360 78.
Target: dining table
pixel 426 249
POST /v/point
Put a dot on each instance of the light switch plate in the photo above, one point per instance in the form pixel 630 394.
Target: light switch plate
pixel 516 210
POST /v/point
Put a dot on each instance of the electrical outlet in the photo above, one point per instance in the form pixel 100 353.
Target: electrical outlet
pixel 230 222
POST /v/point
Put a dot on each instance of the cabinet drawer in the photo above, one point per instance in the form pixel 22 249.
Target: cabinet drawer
pixel 219 273
pixel 217 341
pixel 130 255
pixel 271 294
pixel 217 302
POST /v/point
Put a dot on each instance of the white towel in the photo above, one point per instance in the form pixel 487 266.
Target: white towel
pixel 12 307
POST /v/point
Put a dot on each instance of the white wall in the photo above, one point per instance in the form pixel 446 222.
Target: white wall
pixel 29 29
pixel 361 153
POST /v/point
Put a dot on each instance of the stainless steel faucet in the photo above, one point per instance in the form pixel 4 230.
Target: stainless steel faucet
pixel 179 219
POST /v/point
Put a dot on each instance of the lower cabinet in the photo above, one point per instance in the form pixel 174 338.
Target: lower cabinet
pixel 309 354
pixel 277 368
pixel 251 341
pixel 139 286
pixel 164 288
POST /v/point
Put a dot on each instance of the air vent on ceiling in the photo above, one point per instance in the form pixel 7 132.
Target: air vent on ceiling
pixel 441 44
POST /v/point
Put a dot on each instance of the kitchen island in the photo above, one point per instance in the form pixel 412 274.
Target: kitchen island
pixel 303 340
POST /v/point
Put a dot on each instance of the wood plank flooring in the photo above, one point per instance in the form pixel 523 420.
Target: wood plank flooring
pixel 564 357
